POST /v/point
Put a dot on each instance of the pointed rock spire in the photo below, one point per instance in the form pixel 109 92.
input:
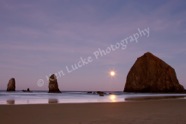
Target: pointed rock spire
pixel 53 84
pixel 11 85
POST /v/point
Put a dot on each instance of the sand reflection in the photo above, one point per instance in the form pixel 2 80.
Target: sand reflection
pixel 10 101
pixel 113 98
pixel 52 101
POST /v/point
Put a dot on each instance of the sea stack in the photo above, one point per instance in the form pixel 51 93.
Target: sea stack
pixel 11 85
pixel 53 84
pixel 152 75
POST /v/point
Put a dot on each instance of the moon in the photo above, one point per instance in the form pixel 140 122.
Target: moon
pixel 112 73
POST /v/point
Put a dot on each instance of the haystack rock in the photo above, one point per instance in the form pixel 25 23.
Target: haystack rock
pixel 53 84
pixel 11 85
pixel 151 74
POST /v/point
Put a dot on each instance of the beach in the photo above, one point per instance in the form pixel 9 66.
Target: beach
pixel 164 111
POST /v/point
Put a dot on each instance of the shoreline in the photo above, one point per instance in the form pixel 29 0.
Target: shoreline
pixel 129 99
pixel 66 98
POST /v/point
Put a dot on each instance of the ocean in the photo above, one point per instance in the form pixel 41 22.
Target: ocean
pixel 43 97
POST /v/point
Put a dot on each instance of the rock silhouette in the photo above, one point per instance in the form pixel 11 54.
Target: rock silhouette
pixel 27 90
pixel 151 74
pixel 11 85
pixel 53 84
pixel 100 93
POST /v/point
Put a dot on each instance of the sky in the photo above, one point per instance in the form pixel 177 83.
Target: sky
pixel 42 37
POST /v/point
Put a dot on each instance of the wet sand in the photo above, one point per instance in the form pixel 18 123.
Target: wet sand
pixel 169 111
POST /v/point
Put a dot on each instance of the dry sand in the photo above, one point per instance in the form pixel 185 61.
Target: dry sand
pixel 170 111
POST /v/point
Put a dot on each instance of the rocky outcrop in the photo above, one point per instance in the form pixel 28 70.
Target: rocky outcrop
pixel 100 93
pixel 27 90
pixel 53 84
pixel 11 85
pixel 151 74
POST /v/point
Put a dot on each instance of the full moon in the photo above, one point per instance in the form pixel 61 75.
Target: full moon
pixel 112 73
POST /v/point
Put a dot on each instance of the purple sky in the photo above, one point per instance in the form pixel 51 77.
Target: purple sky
pixel 41 37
